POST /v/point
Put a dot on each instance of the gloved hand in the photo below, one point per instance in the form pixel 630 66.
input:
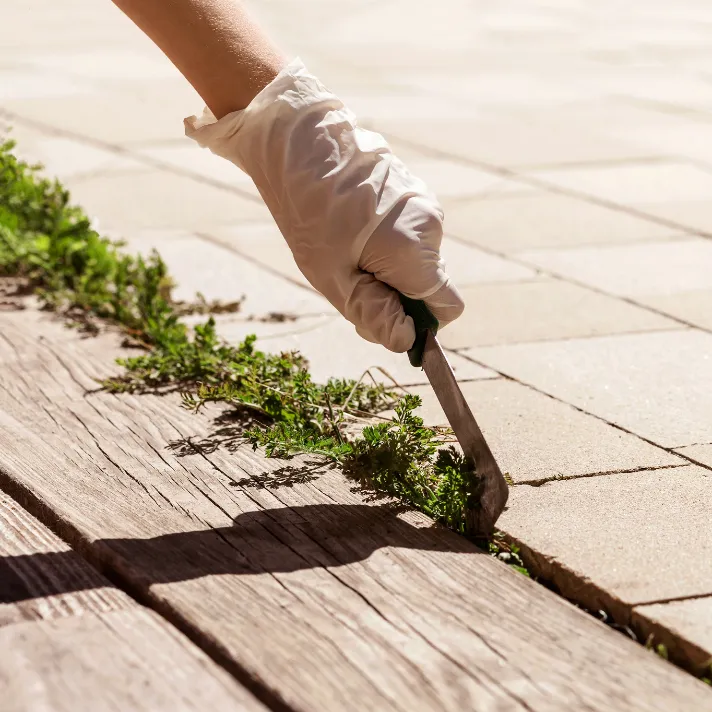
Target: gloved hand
pixel 358 223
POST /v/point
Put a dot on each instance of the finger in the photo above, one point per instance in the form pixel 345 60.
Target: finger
pixel 446 303
pixel 375 309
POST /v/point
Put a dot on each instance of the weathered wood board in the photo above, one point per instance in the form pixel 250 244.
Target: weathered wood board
pixel 311 596
pixel 69 640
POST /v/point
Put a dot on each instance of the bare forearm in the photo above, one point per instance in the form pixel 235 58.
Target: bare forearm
pixel 215 45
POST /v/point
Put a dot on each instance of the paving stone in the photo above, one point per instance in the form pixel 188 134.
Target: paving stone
pixel 694 215
pixel 535 437
pixel 467 265
pixel 334 349
pixel 263 243
pixel 646 182
pixel 218 273
pixel 450 179
pixel 160 199
pixel 118 114
pixel 689 620
pixel 21 84
pixel 506 141
pixel 190 157
pixel 546 220
pixel 613 531
pixel 542 309
pixel 64 157
pixel 701 453
pixel 662 268
pixel 656 385
pixel 683 139
pixel 108 63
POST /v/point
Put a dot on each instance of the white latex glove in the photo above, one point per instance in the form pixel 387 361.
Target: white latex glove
pixel 358 223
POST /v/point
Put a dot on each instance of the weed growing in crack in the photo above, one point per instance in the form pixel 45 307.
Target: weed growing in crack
pixel 51 247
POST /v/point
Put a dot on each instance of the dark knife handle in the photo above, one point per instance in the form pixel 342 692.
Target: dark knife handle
pixel 424 321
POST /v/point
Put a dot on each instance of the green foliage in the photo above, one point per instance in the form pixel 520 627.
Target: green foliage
pixel 51 246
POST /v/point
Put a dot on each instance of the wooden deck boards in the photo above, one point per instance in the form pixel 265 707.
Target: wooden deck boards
pixel 309 595
pixel 69 640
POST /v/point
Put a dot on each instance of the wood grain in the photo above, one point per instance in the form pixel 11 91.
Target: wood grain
pixel 72 641
pixel 307 593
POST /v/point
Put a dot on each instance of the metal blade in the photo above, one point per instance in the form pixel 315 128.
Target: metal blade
pixel 469 435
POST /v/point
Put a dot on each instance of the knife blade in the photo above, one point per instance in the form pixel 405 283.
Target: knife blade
pixel 428 353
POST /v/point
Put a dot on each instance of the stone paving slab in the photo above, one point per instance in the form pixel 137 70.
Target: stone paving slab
pixel 334 349
pixel 200 266
pixel 546 220
pixel 509 142
pixel 188 156
pixel 536 438
pixel 701 453
pixel 116 116
pixel 689 621
pixel 647 182
pixel 466 264
pixel 656 385
pixel 150 199
pixel 63 157
pixel 693 307
pixel 640 270
pixel 693 215
pixel 612 531
pixel 543 310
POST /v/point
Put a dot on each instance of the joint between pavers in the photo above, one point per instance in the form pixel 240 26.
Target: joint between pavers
pixel 605 473
pixel 673 599
pixel 668 450
pixel 511 174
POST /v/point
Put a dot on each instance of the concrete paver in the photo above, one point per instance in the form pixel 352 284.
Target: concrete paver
pixel 700 453
pixel 200 266
pixel 689 620
pixel 548 220
pixel 694 307
pixel 656 385
pixel 614 530
pixel 641 270
pixel 542 310
pixel 334 349
pixel 646 182
pixel 143 199
pixel 536 438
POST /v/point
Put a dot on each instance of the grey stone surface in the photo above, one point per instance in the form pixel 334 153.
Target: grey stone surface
pixel 160 199
pixel 641 537
pixel 655 269
pixel 693 307
pixel 644 182
pixel 543 310
pixel 700 453
pixel 200 266
pixel 535 437
pixel 515 224
pixel 690 620
pixel 261 242
pixel 334 349
pixel 656 385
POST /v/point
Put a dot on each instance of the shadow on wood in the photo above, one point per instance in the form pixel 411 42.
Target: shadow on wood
pixel 262 542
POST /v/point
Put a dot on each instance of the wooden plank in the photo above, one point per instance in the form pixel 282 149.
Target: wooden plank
pixel 310 595
pixel 72 641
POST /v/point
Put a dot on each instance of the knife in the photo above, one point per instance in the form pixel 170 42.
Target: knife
pixel 427 353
